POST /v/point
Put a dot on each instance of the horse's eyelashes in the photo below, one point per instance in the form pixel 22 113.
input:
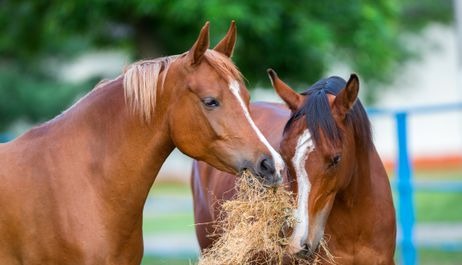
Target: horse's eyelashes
pixel 210 102
pixel 334 161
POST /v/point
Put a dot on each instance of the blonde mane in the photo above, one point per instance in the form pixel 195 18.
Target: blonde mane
pixel 140 84
pixel 141 79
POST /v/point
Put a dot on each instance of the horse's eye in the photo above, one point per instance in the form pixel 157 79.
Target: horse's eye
pixel 210 102
pixel 334 161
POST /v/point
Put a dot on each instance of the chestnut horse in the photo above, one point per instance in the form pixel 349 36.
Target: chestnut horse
pixel 72 190
pixel 342 190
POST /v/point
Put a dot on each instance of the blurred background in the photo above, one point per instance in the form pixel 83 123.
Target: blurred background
pixel 408 54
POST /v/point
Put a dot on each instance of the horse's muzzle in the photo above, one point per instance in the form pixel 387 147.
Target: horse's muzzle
pixel 265 170
pixel 306 252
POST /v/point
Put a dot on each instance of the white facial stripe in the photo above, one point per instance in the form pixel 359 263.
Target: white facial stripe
pixel 318 225
pixel 304 147
pixel 278 162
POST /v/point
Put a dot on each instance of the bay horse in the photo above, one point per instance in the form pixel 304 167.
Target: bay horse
pixel 72 190
pixel 342 190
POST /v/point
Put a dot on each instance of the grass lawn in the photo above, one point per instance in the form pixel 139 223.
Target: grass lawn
pixel 170 188
pixel 435 257
pixel 167 261
pixel 181 222
pixel 436 207
pixel 178 221
pixel 431 207
pixel 438 257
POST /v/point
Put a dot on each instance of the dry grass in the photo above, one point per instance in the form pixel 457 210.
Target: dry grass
pixel 250 228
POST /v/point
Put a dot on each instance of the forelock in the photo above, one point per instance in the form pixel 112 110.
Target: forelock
pixel 319 119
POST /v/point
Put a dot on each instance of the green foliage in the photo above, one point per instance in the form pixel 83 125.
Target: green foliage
pixel 299 39
pixel 32 98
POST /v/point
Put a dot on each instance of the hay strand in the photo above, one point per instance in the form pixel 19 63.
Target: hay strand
pixel 250 225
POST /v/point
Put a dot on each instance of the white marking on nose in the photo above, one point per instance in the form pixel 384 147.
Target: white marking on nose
pixel 304 147
pixel 278 162
pixel 318 225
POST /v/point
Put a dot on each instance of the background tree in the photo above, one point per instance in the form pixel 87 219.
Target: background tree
pixel 298 38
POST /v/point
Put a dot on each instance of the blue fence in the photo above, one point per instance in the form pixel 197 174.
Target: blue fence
pixel 404 183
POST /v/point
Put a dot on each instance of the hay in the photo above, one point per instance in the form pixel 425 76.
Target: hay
pixel 250 225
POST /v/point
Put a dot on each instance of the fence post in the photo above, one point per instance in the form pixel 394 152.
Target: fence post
pixel 405 198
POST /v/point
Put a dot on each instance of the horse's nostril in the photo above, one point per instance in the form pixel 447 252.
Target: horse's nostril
pixel 266 167
pixel 305 252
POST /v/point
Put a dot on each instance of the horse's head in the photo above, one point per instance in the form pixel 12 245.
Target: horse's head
pixel 320 147
pixel 208 111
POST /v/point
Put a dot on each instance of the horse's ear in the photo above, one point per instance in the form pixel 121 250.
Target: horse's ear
pixel 345 100
pixel 226 45
pixel 287 94
pixel 201 45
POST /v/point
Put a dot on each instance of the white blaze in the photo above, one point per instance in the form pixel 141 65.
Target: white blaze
pixel 278 162
pixel 304 146
pixel 317 225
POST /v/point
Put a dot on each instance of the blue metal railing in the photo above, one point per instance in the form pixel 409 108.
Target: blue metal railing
pixel 404 184
pixel 456 106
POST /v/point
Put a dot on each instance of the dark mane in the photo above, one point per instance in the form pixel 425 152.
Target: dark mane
pixel 319 117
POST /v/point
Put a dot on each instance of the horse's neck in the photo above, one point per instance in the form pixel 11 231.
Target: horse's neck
pixel 119 154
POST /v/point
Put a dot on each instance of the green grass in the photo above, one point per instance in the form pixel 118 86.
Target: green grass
pixel 147 260
pixel 182 222
pixel 437 207
pixel 170 188
pixel 434 257
pixel 438 257
pixel 177 222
